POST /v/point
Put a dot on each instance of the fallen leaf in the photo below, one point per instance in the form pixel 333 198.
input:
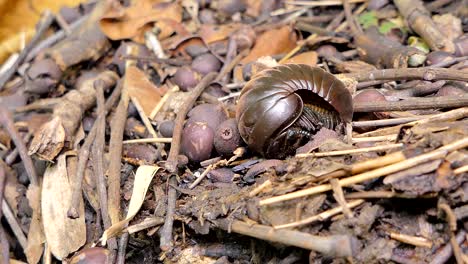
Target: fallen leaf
pixel 143 177
pixel 36 239
pixel 309 58
pixel 143 89
pixel 213 33
pixel 132 22
pixel 272 42
pixel 63 234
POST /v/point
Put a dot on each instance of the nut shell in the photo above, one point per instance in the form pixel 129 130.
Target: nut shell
pixel 197 141
pixel 211 114
pixel 227 137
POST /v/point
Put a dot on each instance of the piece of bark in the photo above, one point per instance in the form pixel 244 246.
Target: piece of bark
pixel 85 43
pixel 50 139
pixel 370 46
pixel 419 19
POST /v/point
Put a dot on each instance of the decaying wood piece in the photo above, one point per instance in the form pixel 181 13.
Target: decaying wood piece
pixel 396 55
pixel 50 139
pixel 419 20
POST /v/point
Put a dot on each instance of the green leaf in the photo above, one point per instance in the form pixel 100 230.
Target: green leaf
pixel 386 26
pixel 368 19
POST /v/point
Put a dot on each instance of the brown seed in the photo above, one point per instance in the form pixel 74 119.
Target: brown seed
pixel 229 7
pixel 222 175
pixel 369 95
pixel 166 128
pixel 207 16
pixel 437 57
pixel 211 114
pixel 206 63
pixel 95 255
pixel 461 45
pixel 186 78
pixel 244 37
pixel 227 137
pixel 215 89
pixel 197 141
pixel 449 90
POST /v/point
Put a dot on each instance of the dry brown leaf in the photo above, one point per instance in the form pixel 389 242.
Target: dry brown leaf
pixel 309 58
pixel 213 33
pixel 36 238
pixel 143 89
pixel 18 19
pixel 273 42
pixel 143 177
pixel 132 22
pixel 64 235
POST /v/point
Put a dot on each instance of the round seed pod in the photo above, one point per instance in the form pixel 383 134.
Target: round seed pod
pixel 227 137
pixel 166 128
pixel 94 255
pixel 206 63
pixel 211 114
pixel 186 78
pixel 197 141
pixel 438 56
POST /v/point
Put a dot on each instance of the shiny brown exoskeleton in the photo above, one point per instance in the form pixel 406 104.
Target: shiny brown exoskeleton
pixel 281 108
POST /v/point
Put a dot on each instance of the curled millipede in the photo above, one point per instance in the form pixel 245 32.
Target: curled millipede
pixel 281 108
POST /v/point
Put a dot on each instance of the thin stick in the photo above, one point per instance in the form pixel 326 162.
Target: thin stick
pixel 340 199
pixel 411 162
pixel 322 3
pixel 147 223
pixel 166 231
pixel 44 24
pixel 83 156
pixel 423 73
pixel 171 164
pixel 320 217
pixel 161 102
pixel 5 247
pixel 122 248
pixel 350 151
pixel 411 240
pixel 388 122
pixel 449 115
pixel 334 245
pixel 413 104
pixel 443 255
pixel 98 163
pixel 7 121
pixel 460 170
pixel 231 65
pixel 392 137
pixel 260 188
pixel 14 225
pixel 385 194
pixel 143 116
pixel 148 140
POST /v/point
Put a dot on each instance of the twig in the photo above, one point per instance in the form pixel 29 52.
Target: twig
pixel 411 162
pixel 423 73
pixel 59 35
pixel 171 164
pixel 7 121
pixel 260 188
pixel 145 224
pixel 392 137
pixel 148 140
pixel 443 255
pixel 350 151
pixel 83 156
pixel 334 245
pixel 166 230
pixel 355 29
pixel 43 25
pixel 122 248
pixel 14 225
pixel 460 170
pixel 452 221
pixel 161 102
pixel 322 3
pixel 386 195
pixel 5 248
pixel 388 122
pixel 442 117
pixel 413 104
pixel 411 240
pixel 98 163
pixel 202 176
pixel 339 198
pixel 228 67
pixel 63 24
pixel 320 217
